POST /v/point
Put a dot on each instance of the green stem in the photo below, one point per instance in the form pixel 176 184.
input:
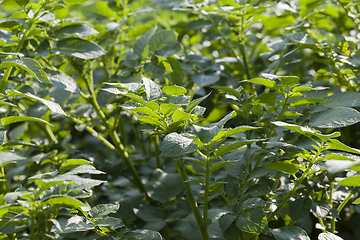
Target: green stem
pixel 113 134
pixel 207 182
pixel 95 134
pixel 342 205
pixel 157 151
pixel 242 48
pixel 20 44
pixel 298 183
pixel 194 206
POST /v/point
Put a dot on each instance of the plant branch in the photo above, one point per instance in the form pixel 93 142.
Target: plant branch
pixel 299 181
pixel 207 181
pixel 194 206
pixel 20 44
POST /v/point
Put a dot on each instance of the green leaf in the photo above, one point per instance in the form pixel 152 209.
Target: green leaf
pixel 340 45
pixel 7 157
pixel 155 69
pixel 22 3
pixel 174 90
pixel 195 102
pixel 321 208
pixel 350 181
pixel 176 145
pixel 80 30
pixel 299 208
pixel 164 39
pixel 265 82
pixel 221 164
pixel 79 48
pixel 54 107
pixel 147 111
pixel 167 109
pixel 179 115
pixel 84 169
pixel 163 186
pixel 29 65
pixel 232 145
pixel 253 221
pixel 286 146
pixel 267 99
pixel 289 232
pixel 328 236
pixel 337 145
pixel 15 119
pixel 64 200
pixel 288 80
pixel 302 38
pixel 207 133
pixel 306 101
pixel 103 210
pixel 306 131
pixel 141 42
pixel 235 92
pixel 72 163
pixel 63 81
pixel 335 118
pixel 285 166
pixel 177 73
pixel 109 222
pixel 153 91
pixel 205 80
pixel 343 99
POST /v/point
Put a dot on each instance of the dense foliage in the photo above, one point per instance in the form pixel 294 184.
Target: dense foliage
pixel 135 119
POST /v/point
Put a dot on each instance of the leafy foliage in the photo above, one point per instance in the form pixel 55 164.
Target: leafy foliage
pixel 179 119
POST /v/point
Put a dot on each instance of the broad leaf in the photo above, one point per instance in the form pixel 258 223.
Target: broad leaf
pixel 205 80
pixel 7 157
pixel 350 181
pixel 176 145
pixel 164 186
pixel 79 48
pixel 63 81
pixel 321 208
pixel 253 221
pixel 141 42
pixel 265 82
pixel 54 107
pixel 299 208
pixel 161 40
pixel 15 119
pixel 207 133
pixel 153 91
pixel 289 232
pixel 174 90
pixel 29 65
pixel 335 118
pixel 328 236
pixel 285 166
pixel 103 210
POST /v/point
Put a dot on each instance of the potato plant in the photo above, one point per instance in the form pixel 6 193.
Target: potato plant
pixel 233 120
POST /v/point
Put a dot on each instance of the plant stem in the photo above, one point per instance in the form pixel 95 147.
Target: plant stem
pixel 194 206
pixel 207 181
pixel 157 151
pixel 342 205
pixel 113 134
pixel 242 47
pixel 20 44
pixel 299 181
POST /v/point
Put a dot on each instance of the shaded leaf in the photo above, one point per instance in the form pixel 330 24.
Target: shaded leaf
pixel 205 80
pixel 299 208
pixel 289 232
pixel 79 48
pixel 176 145
pixel 29 65
pixel 63 81
pixel 335 118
